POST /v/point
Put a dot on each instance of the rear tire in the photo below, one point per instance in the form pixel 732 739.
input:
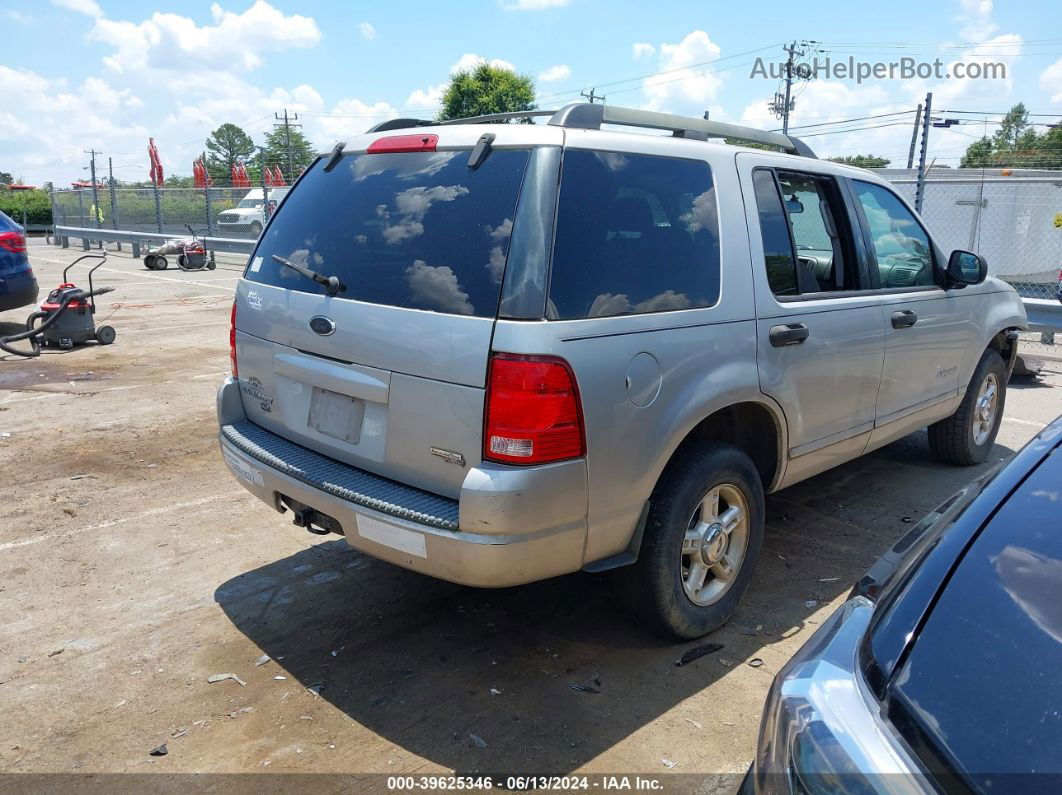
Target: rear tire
pixel 149 262
pixel 687 541
pixel 105 335
pixel 966 437
pixel 161 263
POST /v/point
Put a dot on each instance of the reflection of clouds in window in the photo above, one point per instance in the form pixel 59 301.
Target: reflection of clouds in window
pixel 436 287
pixel 501 231
pixel 608 304
pixel 301 256
pixel 412 205
pixel 402 165
pixel 702 215
pixel 361 238
pixel 613 161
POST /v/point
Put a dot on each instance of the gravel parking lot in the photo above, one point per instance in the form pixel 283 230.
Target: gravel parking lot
pixel 133 567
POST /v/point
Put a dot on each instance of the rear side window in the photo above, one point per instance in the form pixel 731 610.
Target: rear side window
pixel 418 230
pixel 635 234
pixel 777 246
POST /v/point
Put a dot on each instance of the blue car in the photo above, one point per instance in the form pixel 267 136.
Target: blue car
pixel 18 286
pixel 943 671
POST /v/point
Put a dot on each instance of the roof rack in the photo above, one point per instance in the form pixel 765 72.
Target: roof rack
pixel 590 116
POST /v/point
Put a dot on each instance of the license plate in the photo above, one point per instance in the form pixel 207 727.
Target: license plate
pixel 336 415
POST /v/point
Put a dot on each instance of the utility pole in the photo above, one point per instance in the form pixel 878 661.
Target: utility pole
pixel 95 191
pixel 288 124
pixel 920 190
pixel 783 102
pixel 914 136
pixel 592 96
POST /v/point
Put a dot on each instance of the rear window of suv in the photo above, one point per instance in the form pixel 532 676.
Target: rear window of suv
pixel 635 234
pixel 418 230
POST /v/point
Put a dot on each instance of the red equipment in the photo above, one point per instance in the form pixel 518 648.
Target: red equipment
pixel 156 164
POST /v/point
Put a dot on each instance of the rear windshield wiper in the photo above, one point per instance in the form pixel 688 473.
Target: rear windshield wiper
pixel 331 283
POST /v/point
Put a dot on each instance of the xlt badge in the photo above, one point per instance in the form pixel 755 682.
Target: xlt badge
pixel 449 456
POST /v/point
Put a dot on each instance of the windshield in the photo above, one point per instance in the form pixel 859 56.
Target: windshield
pixel 418 230
pixel 249 203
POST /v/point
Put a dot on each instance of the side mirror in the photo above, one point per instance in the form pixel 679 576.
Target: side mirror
pixel 966 268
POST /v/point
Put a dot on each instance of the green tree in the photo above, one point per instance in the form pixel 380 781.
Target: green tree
pixel 277 145
pixel 227 144
pixel 487 89
pixel 5 178
pixel 863 161
pixel 1016 144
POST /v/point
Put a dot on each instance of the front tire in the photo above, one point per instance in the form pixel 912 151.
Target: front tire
pixel 702 539
pixel 966 437
pixel 256 229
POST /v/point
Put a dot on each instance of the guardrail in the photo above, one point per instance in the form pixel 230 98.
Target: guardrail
pixel 1045 314
pixel 88 235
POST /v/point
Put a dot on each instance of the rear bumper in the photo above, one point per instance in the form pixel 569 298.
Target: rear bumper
pixel 511 525
pixel 18 290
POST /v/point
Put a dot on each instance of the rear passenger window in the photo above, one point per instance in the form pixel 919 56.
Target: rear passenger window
pixel 778 255
pixel 635 234
pixel 815 218
pixel 901 246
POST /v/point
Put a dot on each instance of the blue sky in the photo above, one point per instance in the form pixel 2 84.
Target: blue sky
pixel 108 74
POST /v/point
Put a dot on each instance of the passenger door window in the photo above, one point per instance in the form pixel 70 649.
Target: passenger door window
pixel 814 212
pixel 635 234
pixel 900 245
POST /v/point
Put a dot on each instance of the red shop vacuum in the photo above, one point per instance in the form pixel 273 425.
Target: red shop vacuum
pixel 66 318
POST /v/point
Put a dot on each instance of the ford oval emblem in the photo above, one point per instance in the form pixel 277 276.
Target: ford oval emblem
pixel 322 325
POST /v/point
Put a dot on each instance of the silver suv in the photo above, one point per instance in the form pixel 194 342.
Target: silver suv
pixel 495 353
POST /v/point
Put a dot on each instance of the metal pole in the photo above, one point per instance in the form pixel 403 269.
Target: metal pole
pixel 914 136
pixel 206 193
pixel 95 193
pixel 80 207
pixel 287 144
pixel 55 219
pixel 265 185
pixel 158 206
pixel 920 190
pixel 788 86
pixel 114 196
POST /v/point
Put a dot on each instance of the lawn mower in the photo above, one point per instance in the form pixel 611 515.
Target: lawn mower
pixel 66 318
pixel 191 254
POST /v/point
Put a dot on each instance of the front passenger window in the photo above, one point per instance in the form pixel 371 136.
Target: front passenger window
pixel 900 244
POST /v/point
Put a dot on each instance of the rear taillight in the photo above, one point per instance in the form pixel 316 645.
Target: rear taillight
pixel 15 242
pixel 532 410
pixel 232 341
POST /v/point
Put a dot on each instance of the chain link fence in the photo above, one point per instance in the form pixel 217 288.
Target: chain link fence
pixel 1015 222
pixel 219 212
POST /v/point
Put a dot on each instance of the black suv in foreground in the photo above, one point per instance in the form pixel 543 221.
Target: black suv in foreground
pixel 943 670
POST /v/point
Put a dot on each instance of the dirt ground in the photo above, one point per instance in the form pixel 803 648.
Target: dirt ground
pixel 133 567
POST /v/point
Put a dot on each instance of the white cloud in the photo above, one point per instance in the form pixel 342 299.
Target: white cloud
pixel 87 7
pixel 555 73
pixel 976 19
pixel 533 5
pixel 17 16
pixel 356 117
pixel 1051 80
pixel 469 61
pixel 641 49
pixel 172 41
pixel 678 81
pixel 366 30
pixel 429 98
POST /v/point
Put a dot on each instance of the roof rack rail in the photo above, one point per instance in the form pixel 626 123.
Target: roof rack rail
pixel 590 116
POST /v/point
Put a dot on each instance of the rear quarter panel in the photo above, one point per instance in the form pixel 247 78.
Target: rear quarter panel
pixel 705 360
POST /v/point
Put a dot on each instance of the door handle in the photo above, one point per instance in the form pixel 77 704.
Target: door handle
pixel 905 318
pixel 789 334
